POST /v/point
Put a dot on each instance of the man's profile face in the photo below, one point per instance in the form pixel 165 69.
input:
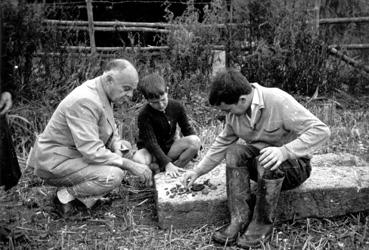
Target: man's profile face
pixel 159 104
pixel 122 84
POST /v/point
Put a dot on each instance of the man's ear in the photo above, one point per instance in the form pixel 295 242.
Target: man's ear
pixel 109 79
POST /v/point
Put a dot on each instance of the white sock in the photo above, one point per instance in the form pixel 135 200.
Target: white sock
pixel 64 196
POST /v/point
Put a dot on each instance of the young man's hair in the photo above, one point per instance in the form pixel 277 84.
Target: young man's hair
pixel 227 86
pixel 152 86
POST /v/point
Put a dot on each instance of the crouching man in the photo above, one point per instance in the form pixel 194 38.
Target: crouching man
pixel 280 136
pixel 80 151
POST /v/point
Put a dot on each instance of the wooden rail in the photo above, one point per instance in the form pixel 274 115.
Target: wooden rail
pixel 348 60
pixel 344 20
pixel 116 28
pixel 137 24
pixel 112 49
pixel 332 49
pixel 352 46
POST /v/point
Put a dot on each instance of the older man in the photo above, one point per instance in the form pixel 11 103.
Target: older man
pixel 80 150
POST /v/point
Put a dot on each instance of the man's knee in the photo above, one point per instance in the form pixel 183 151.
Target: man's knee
pixel 194 142
pixel 142 156
pixel 113 176
pixel 234 155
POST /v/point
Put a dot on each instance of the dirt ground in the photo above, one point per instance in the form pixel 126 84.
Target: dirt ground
pixel 28 211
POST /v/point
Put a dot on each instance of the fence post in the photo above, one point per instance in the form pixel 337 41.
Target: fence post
pixel 316 18
pixel 229 34
pixel 91 31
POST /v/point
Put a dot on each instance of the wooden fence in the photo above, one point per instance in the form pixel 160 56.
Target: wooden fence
pixel 334 48
pixel 91 26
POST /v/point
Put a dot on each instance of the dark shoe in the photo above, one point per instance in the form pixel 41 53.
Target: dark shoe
pixel 255 236
pixel 238 199
pixel 63 210
pixel 102 202
pixel 4 234
pixel 228 235
pixel 260 229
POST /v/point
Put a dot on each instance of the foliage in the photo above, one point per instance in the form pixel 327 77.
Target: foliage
pixel 287 53
pixel 278 48
pixel 190 55
pixel 283 52
pixel 130 222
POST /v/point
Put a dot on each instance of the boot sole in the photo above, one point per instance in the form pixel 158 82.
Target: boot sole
pixel 253 244
pixel 223 242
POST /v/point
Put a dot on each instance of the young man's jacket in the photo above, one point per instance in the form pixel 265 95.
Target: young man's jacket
pixel 277 120
pixel 82 126
pixel 157 129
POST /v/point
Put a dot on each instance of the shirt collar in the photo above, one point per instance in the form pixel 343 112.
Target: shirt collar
pixel 256 104
pixel 257 99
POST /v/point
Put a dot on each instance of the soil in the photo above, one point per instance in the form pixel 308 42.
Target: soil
pixel 28 212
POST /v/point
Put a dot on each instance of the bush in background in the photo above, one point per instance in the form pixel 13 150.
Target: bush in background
pixel 277 48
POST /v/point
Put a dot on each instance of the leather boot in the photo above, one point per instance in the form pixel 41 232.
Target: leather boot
pixel 261 226
pixel 238 198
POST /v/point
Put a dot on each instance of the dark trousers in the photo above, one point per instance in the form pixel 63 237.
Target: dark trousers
pixel 9 167
pixel 295 171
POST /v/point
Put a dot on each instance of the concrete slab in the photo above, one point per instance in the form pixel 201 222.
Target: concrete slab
pixel 339 184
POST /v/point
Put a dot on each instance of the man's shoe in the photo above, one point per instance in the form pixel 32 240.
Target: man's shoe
pixel 260 229
pixel 63 210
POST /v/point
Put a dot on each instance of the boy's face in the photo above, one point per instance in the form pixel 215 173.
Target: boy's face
pixel 159 104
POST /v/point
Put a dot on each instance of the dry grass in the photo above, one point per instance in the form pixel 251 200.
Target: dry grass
pixel 130 221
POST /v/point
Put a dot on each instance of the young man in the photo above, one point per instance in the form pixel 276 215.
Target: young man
pixel 157 124
pixel 80 150
pixel 280 136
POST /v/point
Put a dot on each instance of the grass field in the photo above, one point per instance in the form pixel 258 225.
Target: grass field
pixel 130 222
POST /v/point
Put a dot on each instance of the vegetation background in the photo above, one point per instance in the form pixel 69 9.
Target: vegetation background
pixel 278 47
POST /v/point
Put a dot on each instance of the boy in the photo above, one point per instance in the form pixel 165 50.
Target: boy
pixel 157 123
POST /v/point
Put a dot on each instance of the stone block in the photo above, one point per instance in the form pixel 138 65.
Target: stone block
pixel 339 184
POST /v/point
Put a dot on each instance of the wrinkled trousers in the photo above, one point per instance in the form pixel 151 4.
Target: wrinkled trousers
pixel 295 171
pixel 84 180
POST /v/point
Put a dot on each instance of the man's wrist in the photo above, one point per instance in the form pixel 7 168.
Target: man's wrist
pixel 126 164
pixel 284 153
pixel 198 171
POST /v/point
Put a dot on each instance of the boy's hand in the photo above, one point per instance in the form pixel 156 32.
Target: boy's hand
pixel 172 170
pixel 189 178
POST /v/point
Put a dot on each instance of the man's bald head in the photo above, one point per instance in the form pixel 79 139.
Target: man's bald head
pixel 120 78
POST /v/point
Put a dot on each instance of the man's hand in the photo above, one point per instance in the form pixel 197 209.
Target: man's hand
pixel 118 152
pixel 144 172
pixel 172 170
pixel 5 102
pixel 189 178
pixel 271 158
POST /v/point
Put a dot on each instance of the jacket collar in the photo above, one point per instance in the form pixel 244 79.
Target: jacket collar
pixel 105 101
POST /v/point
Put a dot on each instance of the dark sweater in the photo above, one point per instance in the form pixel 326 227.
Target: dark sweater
pixel 157 129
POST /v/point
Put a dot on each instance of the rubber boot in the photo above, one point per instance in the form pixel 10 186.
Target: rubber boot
pixel 261 226
pixel 238 198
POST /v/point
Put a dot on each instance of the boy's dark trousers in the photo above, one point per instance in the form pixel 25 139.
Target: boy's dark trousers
pixel 252 224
